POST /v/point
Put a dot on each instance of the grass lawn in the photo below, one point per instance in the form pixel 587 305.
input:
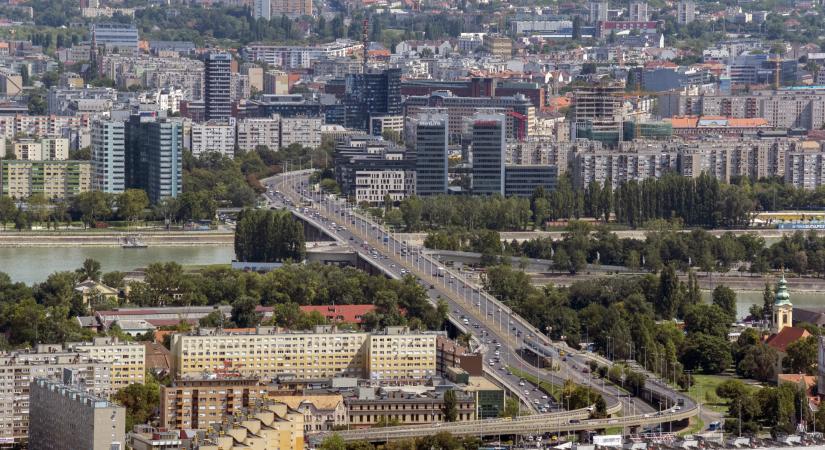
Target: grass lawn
pixel 696 426
pixel 704 391
pixel 548 388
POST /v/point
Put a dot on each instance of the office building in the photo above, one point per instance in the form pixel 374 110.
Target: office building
pixel 19 368
pixel 218 86
pixel 488 154
pixel 291 8
pixel 370 168
pixel 108 156
pixel 498 45
pixel 488 398
pixel 371 94
pixel 127 359
pixel 686 12
pixel 324 353
pixel 301 130
pixel 154 157
pixel 21 179
pixel 267 427
pixel 523 180
pixel 597 10
pixel 198 403
pixel 115 37
pixel 255 131
pixel 214 136
pixel 64 417
pixel 431 142
pixel 262 9
pixel 638 11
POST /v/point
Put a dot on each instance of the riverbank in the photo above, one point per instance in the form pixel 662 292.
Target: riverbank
pixel 96 238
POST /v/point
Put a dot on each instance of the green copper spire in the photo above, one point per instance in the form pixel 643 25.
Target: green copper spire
pixel 783 297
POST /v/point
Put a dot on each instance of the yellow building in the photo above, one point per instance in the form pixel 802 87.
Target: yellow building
pixel 398 354
pixel 128 359
pixel 268 427
pixel 53 179
pixel 321 412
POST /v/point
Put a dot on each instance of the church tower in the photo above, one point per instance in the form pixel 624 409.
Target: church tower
pixel 782 307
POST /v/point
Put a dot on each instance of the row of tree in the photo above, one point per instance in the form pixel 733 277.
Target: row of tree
pixel 269 236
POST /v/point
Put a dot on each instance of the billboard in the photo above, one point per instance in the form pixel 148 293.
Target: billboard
pixel 608 440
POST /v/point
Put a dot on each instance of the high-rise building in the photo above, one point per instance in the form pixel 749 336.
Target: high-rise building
pixel 214 136
pixel 154 157
pixel 218 86
pixel 431 138
pixel 291 8
pixel 638 11
pixel 197 403
pixel 488 154
pixel 371 94
pixel 598 11
pixel 301 130
pixel 262 9
pixel 686 12
pixel 108 156
pixel 128 359
pixel 65 417
pixel 598 112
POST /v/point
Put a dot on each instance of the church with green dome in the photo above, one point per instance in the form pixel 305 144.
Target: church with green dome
pixel 782 306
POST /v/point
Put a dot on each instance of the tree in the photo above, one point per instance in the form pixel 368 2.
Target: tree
pixel 114 279
pixel 801 356
pixel 709 354
pixel 38 208
pixel 669 297
pixel 758 362
pixel 450 407
pixel 725 298
pixel 333 442
pixel 767 302
pixel 511 408
pixel 269 236
pixel 90 270
pixel 244 314
pixel 707 319
pixel 131 203
pixel 92 205
pixel 7 210
pixel 140 401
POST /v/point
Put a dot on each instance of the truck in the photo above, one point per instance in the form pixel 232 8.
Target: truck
pixel 440 272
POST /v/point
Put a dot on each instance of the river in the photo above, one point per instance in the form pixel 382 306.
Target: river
pixel 34 264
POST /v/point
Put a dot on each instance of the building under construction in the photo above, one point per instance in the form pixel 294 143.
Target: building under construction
pixel 598 112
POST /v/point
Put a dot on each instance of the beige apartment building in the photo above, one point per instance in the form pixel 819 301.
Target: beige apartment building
pixel 64 417
pixel 399 355
pixel 128 360
pixel 269 427
pixel 322 412
pixel 54 179
pixel 51 149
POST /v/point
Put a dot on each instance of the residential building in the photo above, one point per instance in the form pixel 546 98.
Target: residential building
pixel 322 412
pixel 407 407
pixel 638 11
pixel 597 11
pixel 323 353
pixel 262 9
pixel 127 359
pixel 431 149
pixel 147 438
pixel 686 12
pixel 300 57
pixel 805 166
pixel 214 136
pixel 498 45
pixel 217 86
pixel 301 130
pixel 451 354
pixel 44 149
pixel 267 427
pixel 488 154
pixel 108 156
pixel 11 84
pixel 21 179
pixel 523 180
pixel 64 417
pixel 334 314
pixel 592 162
pixel 115 37
pixel 198 403
pixel 19 368
pixel 154 157
pixel 41 126
pixel 291 8
pixel 255 131
pixel 275 82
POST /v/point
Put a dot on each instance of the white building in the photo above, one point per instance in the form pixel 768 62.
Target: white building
pixel 301 57
pixel 213 137
pixel 301 130
pixel 372 186
pixel 255 131
pixel 108 156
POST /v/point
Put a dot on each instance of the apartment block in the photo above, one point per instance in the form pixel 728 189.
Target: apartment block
pixel 805 166
pixel 127 359
pixel 41 126
pixel 323 353
pixel 266 427
pixel 64 417
pixel 593 163
pixel 46 149
pixel 301 130
pixel 301 57
pixel 20 179
pixel 291 8
pixel 255 131
pixel 214 136
pixel 17 371
pixel 108 156
pixel 198 403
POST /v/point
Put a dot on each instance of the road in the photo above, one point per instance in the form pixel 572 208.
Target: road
pixel 493 324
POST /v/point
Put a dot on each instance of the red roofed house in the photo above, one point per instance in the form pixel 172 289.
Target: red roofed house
pixel 341 313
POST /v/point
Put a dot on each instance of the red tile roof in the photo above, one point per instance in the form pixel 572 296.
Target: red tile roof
pixel 786 337
pixel 341 313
